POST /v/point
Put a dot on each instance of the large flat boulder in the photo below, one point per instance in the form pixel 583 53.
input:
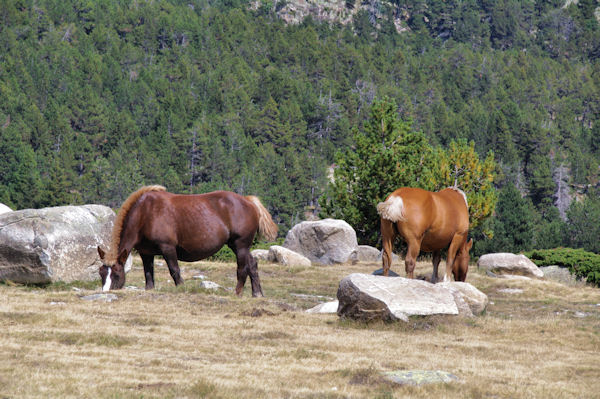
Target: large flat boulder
pixel 369 297
pixel 504 263
pixel 327 241
pixel 54 244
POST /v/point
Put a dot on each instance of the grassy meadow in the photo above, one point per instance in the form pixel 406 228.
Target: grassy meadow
pixel 187 342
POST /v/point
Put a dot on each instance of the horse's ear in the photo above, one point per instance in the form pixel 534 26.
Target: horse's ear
pixel 123 257
pixel 101 253
pixel 469 244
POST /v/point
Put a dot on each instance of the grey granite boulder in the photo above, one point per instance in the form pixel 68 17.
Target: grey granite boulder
pixel 54 244
pixel 367 253
pixel 286 257
pixel 261 254
pixel 369 297
pixel 327 241
pixel 560 274
pixel 509 264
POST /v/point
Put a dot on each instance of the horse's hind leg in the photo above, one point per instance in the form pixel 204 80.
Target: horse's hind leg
pixel 246 266
pixel 410 261
pixel 437 256
pixel 170 254
pixel 388 234
pixel 148 261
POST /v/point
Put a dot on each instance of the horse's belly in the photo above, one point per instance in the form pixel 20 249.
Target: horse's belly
pixel 193 256
pixel 432 242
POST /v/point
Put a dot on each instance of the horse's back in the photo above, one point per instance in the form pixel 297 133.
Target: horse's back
pixel 218 214
pixel 452 207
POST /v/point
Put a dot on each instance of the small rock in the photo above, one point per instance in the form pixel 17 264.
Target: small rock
pixel 132 288
pixel 57 303
pixel 560 274
pixel 287 257
pixel 514 277
pixel 327 307
pixel 367 253
pixel 507 263
pixel 511 290
pixel 100 297
pixel 419 377
pixel 209 285
pixel 261 254
pixel 580 315
pixel 379 272
pixel 258 312
pixel 199 277
pixel 307 296
pixel 76 289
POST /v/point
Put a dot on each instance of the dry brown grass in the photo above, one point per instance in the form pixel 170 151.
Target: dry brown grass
pixel 188 342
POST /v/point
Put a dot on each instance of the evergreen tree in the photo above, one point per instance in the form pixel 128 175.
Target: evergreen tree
pixel 582 228
pixel 387 154
pixel 460 167
pixel 512 226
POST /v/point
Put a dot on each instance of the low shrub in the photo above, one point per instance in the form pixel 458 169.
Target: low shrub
pixel 583 264
pixel 225 254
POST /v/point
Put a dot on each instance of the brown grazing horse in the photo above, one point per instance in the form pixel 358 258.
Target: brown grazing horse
pixel 427 221
pixel 188 228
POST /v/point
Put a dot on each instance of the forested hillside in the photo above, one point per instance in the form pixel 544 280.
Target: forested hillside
pixel 100 97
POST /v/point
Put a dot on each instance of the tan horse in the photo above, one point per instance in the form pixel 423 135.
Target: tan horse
pixel 427 221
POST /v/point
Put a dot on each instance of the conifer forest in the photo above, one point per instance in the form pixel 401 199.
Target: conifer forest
pixel 320 117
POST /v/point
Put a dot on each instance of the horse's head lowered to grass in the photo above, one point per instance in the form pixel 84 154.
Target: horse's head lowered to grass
pixel 112 273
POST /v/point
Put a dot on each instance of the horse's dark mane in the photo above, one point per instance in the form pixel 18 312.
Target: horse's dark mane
pixel 111 256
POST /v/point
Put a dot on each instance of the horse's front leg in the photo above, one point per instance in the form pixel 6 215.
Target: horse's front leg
pixel 455 244
pixel 148 261
pixel 437 256
pixel 170 254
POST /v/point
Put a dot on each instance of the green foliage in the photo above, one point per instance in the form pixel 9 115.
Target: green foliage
pixel 585 265
pixel 460 166
pixel 97 98
pixel 582 228
pixel 513 225
pixel 387 154
pixel 225 254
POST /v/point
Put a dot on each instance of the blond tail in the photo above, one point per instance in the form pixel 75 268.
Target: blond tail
pixel 267 229
pixel 392 209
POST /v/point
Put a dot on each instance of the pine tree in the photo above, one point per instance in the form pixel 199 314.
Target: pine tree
pixel 387 155
pixel 459 166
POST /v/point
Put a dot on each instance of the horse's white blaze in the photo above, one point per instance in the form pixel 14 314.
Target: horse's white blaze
pixel 108 281
pixel 392 209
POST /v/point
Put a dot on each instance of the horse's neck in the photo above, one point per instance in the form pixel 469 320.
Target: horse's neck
pixel 130 232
